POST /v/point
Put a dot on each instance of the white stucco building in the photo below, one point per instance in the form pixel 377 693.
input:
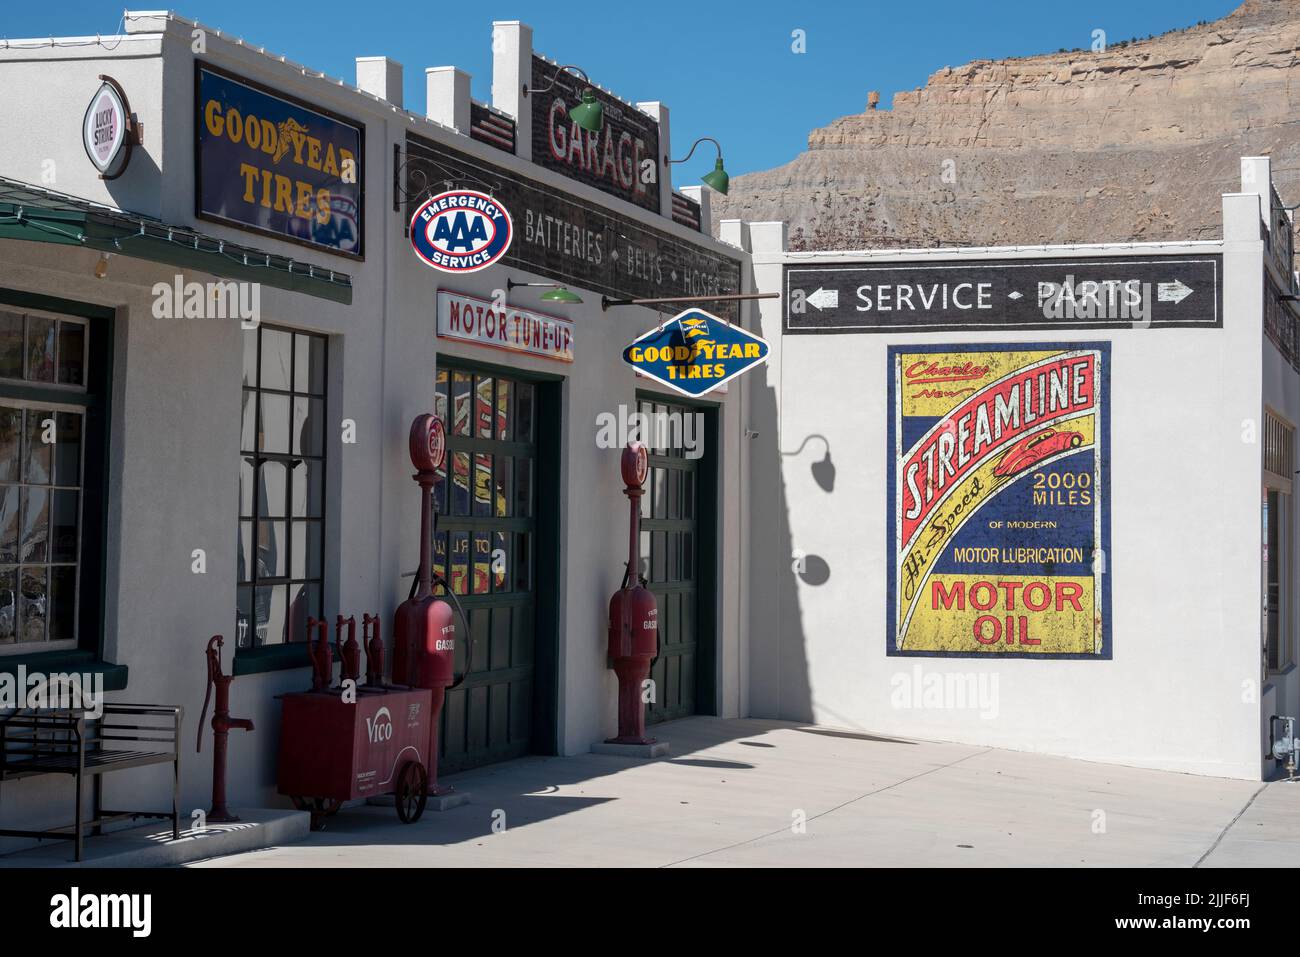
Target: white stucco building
pixel 1165 667
pixel 227 509
pixel 237 478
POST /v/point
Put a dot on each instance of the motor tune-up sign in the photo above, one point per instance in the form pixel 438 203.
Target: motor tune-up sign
pixel 999 491
pixel 695 352
pixel 485 323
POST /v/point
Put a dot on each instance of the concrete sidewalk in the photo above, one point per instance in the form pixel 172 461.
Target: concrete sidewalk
pixel 732 793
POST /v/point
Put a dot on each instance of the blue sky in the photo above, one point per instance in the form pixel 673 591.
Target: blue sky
pixel 725 69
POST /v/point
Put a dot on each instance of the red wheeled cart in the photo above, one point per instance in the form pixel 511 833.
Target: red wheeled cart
pixel 332 750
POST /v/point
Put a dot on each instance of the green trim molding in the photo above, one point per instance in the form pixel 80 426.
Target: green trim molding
pixel 64 662
pixel 256 661
pixel 35 214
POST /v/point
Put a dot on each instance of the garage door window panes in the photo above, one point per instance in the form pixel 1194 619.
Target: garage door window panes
pixel 42 454
pixel 281 486
pixel 483 546
pixel 669 559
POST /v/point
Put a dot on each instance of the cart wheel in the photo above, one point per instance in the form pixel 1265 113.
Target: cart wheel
pixel 412 785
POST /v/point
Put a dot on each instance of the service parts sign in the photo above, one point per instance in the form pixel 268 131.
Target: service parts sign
pixel 999 485
pixel 276 165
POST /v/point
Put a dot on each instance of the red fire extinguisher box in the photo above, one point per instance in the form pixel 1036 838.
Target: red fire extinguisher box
pixel 341 750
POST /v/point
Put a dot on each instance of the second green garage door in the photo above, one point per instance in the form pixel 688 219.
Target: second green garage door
pixel 678 517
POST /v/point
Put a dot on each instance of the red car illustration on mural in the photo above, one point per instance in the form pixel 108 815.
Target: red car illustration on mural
pixel 1032 449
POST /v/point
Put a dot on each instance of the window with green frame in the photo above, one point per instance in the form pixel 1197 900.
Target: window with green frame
pixel 49 589
pixel 281 486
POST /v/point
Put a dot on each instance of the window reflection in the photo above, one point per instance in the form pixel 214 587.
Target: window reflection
pixel 282 471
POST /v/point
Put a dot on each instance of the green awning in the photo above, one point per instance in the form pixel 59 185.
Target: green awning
pixel 40 215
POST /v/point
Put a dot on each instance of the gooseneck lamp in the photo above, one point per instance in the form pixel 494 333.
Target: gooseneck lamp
pixel 555 292
pixel 716 178
pixel 589 114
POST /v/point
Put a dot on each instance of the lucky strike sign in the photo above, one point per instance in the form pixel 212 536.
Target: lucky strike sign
pixel 999 484
pixel 104 127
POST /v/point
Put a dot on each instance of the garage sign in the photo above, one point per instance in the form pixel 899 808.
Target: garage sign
pixel 999 492
pixel 695 352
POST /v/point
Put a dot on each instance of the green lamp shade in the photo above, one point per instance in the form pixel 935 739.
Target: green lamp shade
pixel 560 294
pixel 588 114
pixel 718 179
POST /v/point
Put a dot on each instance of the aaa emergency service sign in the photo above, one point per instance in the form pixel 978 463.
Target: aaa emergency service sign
pixel 999 490
pixel 695 352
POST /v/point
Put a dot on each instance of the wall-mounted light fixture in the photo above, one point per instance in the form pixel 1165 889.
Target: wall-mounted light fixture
pixel 716 178
pixel 588 114
pixel 557 293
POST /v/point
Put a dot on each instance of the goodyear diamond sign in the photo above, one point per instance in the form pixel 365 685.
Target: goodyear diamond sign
pixel 695 352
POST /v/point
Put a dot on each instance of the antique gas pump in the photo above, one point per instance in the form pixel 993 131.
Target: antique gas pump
pixel 322 659
pixel 424 630
pixel 222 722
pixel 374 644
pixel 633 614
pixel 350 652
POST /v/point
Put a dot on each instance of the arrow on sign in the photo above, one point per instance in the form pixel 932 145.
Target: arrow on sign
pixel 824 299
pixel 1174 292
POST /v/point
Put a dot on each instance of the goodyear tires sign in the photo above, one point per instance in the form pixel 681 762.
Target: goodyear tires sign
pixel 695 352
pixel 275 165
pixel 999 491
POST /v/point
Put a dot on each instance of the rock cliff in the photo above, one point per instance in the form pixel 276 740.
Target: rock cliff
pixel 1132 143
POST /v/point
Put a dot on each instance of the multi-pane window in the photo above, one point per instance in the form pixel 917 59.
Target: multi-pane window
pixel 485 540
pixel 1279 468
pixel 43 401
pixel 281 486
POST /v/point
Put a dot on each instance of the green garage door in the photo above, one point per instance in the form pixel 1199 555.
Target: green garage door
pixel 676 509
pixel 485 542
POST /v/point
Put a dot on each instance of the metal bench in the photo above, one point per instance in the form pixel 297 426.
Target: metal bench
pixel 67 741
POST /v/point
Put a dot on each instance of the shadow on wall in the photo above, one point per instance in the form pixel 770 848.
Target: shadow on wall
pixel 813 569
pixel 780 686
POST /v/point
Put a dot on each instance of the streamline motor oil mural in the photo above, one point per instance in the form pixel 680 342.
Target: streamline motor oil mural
pixel 999 485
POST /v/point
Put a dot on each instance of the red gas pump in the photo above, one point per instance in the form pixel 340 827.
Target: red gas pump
pixel 424 629
pixel 633 614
